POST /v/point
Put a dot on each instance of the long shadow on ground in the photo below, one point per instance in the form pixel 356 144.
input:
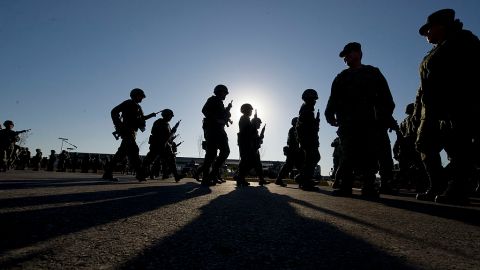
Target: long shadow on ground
pixel 462 214
pixel 25 227
pixel 255 229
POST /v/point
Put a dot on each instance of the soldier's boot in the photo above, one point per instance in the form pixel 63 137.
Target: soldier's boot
pixel 107 175
pixel 369 190
pixel 241 182
pixel 206 181
pixel 456 193
pixel 280 182
pixel 429 195
pixel 309 185
pixel 140 175
pixel 263 182
pixel 344 187
pixel 178 176
pixel 386 188
pixel 196 174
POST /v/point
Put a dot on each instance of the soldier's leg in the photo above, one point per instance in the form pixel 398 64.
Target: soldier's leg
pixel 119 156
pixel 172 164
pixel 210 155
pixel 243 167
pixel 147 163
pixel 429 143
pixel 314 157
pixel 3 165
pixel 224 152
pixel 458 146
pixel 286 168
pixel 257 165
pixel 133 154
pixel 366 169
pixel 385 162
pixel 436 181
pixel 344 173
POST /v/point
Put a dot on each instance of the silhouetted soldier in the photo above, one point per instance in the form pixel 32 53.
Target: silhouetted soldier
pixel 8 138
pixel 128 118
pixel 73 162
pixel 411 169
pixel 249 141
pixel 85 163
pixel 307 132
pixel 447 105
pixel 62 161
pixel 24 156
pixel 96 163
pixel 51 161
pixel 216 117
pixel 294 156
pixel 161 144
pixel 37 159
pixel 171 167
pixel 360 99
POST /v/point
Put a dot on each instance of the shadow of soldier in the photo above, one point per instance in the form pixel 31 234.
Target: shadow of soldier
pixel 42 218
pixel 253 228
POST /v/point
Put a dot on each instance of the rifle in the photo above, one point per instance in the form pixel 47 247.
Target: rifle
pixel 116 134
pixel 174 129
pixel 262 133
pixel 22 131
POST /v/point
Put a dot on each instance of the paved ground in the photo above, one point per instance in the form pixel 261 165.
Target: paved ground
pixel 74 221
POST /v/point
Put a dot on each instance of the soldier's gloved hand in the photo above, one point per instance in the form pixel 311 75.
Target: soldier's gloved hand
pixel 332 121
pixel 119 129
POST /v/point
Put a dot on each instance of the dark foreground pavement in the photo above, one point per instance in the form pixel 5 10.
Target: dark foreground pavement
pixel 75 221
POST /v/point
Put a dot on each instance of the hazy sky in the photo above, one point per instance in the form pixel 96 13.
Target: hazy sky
pixel 65 64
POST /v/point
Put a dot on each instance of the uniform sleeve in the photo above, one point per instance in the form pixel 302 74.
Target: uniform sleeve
pixel 331 107
pixel 115 114
pixel 384 104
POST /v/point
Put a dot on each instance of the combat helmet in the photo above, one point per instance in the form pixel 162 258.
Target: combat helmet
pixel 8 123
pixel 220 89
pixel 410 108
pixel 309 94
pixel 294 121
pixel 246 108
pixel 167 113
pixel 256 121
pixel 137 92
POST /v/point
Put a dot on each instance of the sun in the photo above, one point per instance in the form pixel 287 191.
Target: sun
pixel 256 97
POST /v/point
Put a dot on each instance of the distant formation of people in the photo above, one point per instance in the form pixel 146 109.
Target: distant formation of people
pixel 443 116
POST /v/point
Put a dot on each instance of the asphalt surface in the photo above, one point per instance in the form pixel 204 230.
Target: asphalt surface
pixel 76 221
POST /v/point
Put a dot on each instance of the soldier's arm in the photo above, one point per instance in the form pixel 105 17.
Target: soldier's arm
pixel 146 117
pixel 331 105
pixel 115 114
pixel 385 96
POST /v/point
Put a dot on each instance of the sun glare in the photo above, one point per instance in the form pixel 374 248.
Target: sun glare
pixel 256 97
